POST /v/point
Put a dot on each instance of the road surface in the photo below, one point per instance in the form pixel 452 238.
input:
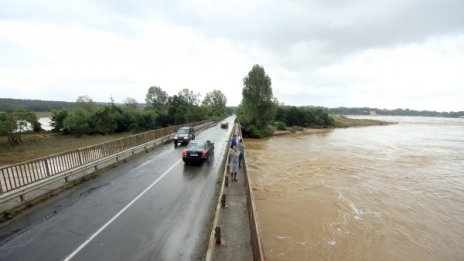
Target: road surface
pixel 151 208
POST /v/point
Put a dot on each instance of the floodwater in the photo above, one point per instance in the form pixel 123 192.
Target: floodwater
pixel 392 192
pixel 45 122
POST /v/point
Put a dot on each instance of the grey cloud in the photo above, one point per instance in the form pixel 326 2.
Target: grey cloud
pixel 326 29
pixel 341 26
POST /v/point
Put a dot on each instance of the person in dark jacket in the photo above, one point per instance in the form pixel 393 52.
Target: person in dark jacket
pixel 234 142
pixel 241 148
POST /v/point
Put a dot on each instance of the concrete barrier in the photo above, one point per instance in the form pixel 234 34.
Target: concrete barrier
pixel 257 244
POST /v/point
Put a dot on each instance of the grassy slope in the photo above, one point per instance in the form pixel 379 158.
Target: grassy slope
pixel 36 145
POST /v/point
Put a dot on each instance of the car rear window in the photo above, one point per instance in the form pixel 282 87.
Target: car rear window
pixel 196 146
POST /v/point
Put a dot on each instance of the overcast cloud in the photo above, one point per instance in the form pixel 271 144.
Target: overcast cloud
pixel 386 54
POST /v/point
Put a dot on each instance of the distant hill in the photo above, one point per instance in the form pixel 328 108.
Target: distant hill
pixel 42 106
pixel 34 105
pixel 396 112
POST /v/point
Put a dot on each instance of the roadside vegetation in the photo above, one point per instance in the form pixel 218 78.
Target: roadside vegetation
pixel 88 123
pixel 13 123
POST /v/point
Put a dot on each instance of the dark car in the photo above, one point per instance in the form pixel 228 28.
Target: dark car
pixel 198 151
pixel 184 135
pixel 224 124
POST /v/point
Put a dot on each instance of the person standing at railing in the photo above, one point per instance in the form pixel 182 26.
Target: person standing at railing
pixel 234 155
pixel 241 149
pixel 233 141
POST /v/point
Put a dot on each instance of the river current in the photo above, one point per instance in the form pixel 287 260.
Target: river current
pixel 393 192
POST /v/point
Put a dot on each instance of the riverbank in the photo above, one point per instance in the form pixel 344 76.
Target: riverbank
pixel 341 121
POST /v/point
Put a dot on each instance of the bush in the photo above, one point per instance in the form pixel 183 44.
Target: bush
pixel 253 132
pixel 280 125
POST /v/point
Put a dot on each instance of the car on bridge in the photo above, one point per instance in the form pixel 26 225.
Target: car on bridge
pixel 224 124
pixel 198 151
pixel 184 135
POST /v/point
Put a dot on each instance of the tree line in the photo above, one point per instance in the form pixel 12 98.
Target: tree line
pixel 89 117
pixel 33 105
pixel 395 112
pixel 162 110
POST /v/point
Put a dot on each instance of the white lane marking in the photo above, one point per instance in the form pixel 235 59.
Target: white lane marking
pixel 75 252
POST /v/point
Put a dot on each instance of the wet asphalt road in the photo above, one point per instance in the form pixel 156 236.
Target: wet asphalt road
pixel 151 208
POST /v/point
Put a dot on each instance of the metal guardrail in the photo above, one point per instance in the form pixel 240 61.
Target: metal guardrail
pixel 25 173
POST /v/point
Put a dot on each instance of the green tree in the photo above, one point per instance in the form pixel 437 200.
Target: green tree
pixel 57 120
pixel 258 103
pixel 191 98
pixel 157 98
pixel 86 103
pixel 77 122
pixel 215 101
pixel 14 122
pixel 105 119
pixel 130 103
pixel 189 102
pixel 177 110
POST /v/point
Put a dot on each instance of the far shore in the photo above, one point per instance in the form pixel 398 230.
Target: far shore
pixel 341 121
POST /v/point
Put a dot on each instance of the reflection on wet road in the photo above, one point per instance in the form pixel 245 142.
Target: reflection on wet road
pixel 391 192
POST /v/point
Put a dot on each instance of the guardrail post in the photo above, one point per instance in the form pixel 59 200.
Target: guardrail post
pixel 217 235
pixel 79 152
pixel 223 200
pixel 226 183
pixel 1 185
pixel 47 167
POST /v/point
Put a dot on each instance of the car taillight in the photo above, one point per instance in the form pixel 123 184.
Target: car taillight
pixel 203 153
pixel 184 153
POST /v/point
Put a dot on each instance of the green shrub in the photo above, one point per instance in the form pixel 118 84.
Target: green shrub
pixel 280 125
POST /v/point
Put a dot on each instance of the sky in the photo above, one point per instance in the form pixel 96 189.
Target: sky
pixel 385 53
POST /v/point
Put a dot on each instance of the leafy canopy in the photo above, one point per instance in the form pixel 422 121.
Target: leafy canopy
pixel 258 103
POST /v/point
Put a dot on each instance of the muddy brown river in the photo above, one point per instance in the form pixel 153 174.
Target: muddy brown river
pixel 392 192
